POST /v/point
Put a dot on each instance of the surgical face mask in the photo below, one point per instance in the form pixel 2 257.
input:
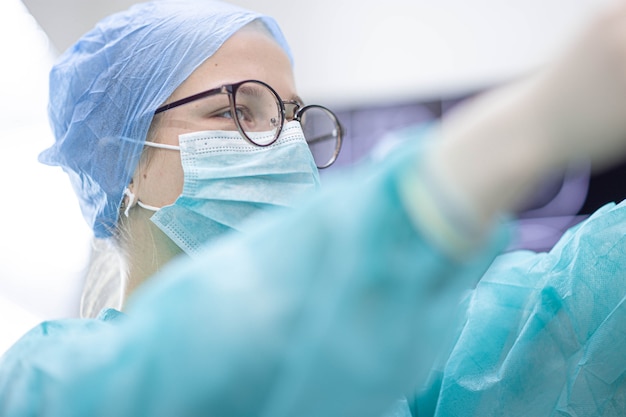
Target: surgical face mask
pixel 227 180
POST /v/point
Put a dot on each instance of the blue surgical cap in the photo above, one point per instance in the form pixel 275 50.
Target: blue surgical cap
pixel 104 91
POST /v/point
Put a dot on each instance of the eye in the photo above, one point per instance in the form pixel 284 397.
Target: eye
pixel 228 114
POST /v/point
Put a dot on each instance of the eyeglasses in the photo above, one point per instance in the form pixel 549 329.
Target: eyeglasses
pixel 253 107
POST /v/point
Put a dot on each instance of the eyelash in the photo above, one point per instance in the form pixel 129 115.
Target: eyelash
pixel 221 113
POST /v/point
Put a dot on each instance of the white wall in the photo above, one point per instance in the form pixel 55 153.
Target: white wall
pixel 360 52
pixel 44 242
pixel 352 53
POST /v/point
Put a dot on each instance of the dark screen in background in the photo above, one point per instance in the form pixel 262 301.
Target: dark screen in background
pixel 548 213
pixel 605 187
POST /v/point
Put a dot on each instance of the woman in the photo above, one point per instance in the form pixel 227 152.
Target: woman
pixel 101 160
pixel 335 308
pixel 150 240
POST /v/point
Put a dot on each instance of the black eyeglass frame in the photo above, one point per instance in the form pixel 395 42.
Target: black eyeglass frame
pixel 231 90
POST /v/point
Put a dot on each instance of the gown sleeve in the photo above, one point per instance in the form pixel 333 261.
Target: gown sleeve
pixel 333 309
pixel 545 333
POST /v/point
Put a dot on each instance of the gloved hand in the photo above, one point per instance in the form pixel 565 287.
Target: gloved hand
pixel 497 147
pixel 581 98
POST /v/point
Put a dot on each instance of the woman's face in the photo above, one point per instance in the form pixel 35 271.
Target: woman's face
pixel 248 54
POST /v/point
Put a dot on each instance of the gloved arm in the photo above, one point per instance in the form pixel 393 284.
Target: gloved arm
pixel 332 309
pixel 578 103
pixel 496 148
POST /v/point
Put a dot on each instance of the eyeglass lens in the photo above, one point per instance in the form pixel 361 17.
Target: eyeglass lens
pixel 260 117
pixel 321 131
pixel 258 112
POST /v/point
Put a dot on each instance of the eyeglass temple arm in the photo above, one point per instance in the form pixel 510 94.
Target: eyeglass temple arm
pixel 189 99
pixel 322 138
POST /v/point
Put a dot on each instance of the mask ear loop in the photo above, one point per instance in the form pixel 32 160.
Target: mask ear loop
pixel 162 145
pixel 132 199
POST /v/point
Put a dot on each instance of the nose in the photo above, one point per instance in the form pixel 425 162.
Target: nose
pixel 291 108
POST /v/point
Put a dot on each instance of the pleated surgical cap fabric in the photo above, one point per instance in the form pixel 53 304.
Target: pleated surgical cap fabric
pixel 104 91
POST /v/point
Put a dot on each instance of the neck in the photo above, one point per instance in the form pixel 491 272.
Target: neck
pixel 148 250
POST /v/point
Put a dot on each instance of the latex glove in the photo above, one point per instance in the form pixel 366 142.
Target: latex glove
pixel 582 96
pixel 496 148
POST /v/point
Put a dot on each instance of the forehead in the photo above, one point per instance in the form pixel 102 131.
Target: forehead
pixel 248 54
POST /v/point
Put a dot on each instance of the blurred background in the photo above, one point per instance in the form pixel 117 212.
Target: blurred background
pixel 381 65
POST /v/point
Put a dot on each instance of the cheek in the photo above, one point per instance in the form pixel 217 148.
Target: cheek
pixel 180 120
pixel 162 180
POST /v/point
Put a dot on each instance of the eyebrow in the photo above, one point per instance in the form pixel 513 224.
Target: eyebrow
pixel 250 91
pixel 255 92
